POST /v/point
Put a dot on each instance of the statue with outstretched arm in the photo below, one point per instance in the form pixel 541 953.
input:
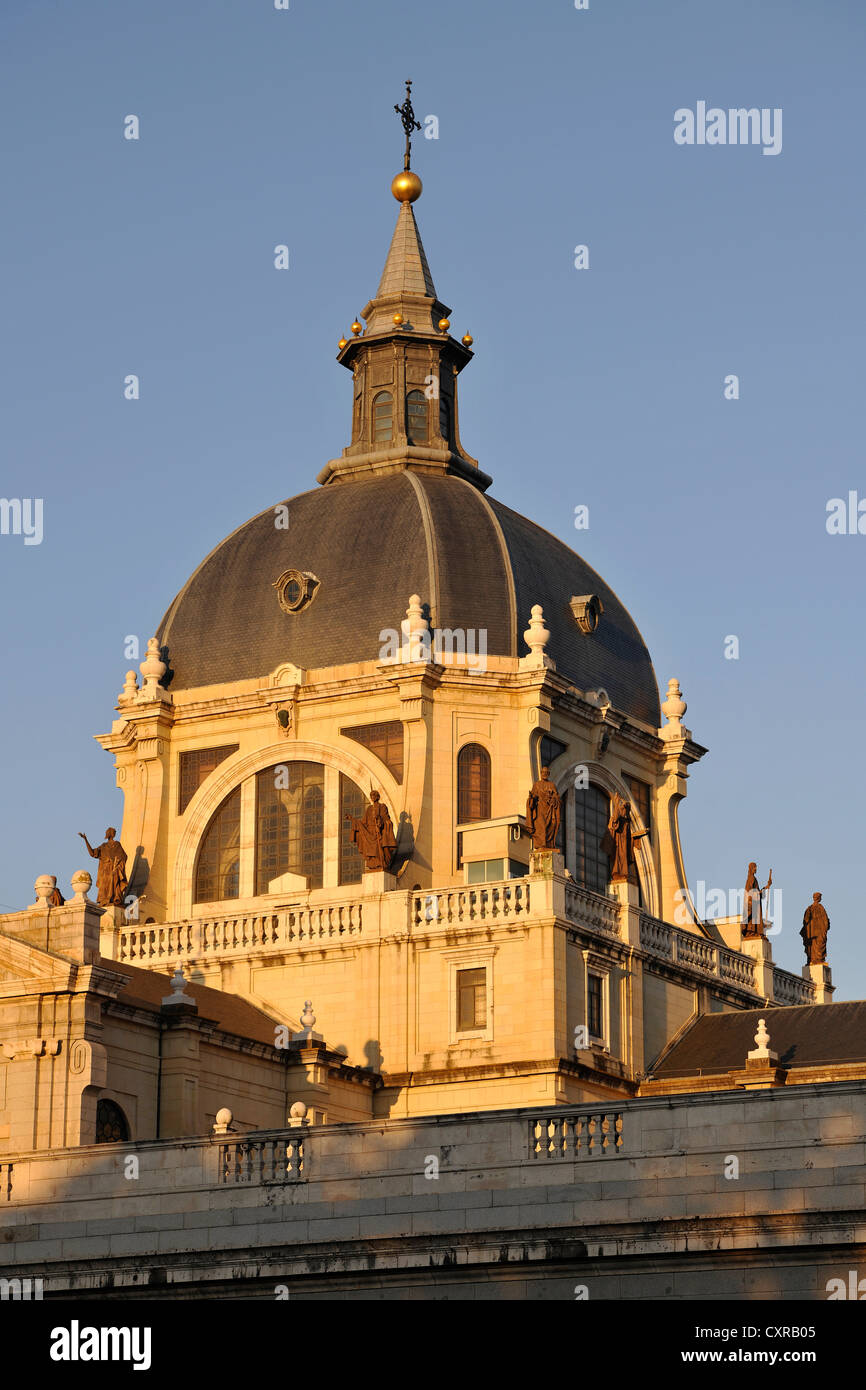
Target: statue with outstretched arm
pixel 111 880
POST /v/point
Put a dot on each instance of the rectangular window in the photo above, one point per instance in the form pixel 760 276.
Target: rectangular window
pixel 195 766
pixel 471 1000
pixel 594 1005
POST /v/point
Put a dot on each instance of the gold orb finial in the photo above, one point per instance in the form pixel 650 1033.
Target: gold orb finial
pixel 341 344
pixel 356 328
pixel 406 186
pixel 468 340
pixel 444 325
pixel 398 319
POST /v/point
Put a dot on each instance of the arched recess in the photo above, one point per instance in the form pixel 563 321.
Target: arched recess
pixel 602 777
pixel 237 769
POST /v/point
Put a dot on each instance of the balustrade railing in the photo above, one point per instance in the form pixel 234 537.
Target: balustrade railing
pixel 589 909
pixel 791 989
pixel 656 937
pixel 481 902
pixel 294 925
pixel 263 1159
pixel 736 969
pixel 589 1135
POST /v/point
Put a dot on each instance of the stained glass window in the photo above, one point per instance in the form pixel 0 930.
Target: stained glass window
pixel 290 820
pixel 217 874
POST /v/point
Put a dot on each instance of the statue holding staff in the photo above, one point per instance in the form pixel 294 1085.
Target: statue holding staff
pixel 753 902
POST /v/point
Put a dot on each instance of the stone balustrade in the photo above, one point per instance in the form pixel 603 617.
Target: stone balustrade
pixel 276 1157
pixel 302 924
pixel 696 952
pixel 591 1135
pixel 792 989
pixel 590 909
pixel 482 902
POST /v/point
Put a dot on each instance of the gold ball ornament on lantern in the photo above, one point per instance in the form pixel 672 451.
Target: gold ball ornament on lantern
pixel 356 328
pixel 468 340
pixel 342 343
pixel 398 319
pixel 406 186
pixel 444 325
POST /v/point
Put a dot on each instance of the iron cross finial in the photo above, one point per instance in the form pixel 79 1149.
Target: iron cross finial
pixel 407 116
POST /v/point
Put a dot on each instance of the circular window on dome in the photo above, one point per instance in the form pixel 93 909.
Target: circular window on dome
pixel 295 589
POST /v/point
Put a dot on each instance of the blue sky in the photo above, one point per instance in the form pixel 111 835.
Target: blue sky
pixel 601 387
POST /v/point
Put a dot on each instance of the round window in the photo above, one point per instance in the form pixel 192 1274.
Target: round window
pixel 295 589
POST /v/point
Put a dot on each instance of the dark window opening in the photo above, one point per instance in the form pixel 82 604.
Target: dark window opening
pixel 471 1000
pixel 473 784
pixel 111 1123
pixel 591 815
pixel 595 1009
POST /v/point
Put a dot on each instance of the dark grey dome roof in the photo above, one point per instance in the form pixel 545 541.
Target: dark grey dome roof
pixel 374 542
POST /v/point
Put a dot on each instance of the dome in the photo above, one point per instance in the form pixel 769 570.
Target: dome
pixel 370 543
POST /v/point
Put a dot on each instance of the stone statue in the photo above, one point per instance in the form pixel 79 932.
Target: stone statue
pixel 816 925
pixel 374 835
pixel 543 812
pixel 57 899
pixel 111 881
pixel 753 902
pixel 618 841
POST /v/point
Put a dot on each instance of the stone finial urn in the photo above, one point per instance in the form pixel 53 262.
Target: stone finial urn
pixel 44 887
pixel 153 668
pixel 81 883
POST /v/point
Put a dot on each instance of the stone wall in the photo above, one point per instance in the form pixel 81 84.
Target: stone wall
pixel 626 1202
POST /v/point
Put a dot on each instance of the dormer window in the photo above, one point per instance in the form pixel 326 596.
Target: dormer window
pixel 416 418
pixel 383 417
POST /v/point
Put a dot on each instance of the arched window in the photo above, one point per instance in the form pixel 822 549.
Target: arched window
pixel 283 834
pixel 111 1124
pixel 353 802
pixel 473 784
pixel 290 822
pixel 383 417
pixel 217 874
pixel 591 815
pixel 416 418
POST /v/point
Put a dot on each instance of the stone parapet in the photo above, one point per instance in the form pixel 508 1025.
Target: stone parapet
pixel 617 1197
